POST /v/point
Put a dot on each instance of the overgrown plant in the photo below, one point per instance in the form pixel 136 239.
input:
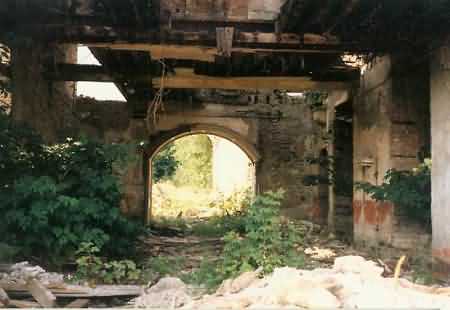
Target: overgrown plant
pixel 161 266
pixel 266 241
pixel 53 197
pixel 94 269
pixel 409 190
pixel 234 203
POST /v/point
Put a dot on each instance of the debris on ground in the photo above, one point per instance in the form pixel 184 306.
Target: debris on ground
pixel 352 282
pixel 168 293
pixel 25 286
pixel 192 249
pixel 19 274
pixel 320 254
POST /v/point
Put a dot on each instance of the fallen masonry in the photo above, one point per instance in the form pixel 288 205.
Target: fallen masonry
pixel 352 282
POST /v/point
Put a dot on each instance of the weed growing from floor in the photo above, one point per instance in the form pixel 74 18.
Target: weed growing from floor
pixel 92 268
pixel 263 241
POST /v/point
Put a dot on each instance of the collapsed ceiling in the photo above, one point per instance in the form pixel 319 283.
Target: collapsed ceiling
pixel 231 44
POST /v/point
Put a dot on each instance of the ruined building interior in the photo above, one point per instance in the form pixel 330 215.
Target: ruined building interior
pixel 241 69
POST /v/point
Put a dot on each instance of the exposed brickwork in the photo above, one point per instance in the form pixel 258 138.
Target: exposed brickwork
pixel 277 132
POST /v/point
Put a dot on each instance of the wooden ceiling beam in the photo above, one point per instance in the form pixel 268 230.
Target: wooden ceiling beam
pixel 185 79
pixel 203 53
pixel 74 72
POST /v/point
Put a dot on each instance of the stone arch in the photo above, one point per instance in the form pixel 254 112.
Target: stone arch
pixel 160 140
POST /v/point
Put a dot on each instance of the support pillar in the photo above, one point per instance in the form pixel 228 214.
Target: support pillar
pixel 440 149
pixel 35 100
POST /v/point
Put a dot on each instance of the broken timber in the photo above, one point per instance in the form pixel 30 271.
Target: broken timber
pixel 187 79
pixel 78 291
pixel 195 81
pixel 4 298
pixel 204 47
pixel 78 303
pixel 41 294
pixel 23 304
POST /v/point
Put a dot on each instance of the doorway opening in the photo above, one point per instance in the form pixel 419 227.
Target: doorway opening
pixel 343 167
pixel 199 176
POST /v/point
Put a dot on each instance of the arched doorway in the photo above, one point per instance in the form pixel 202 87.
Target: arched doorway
pixel 221 141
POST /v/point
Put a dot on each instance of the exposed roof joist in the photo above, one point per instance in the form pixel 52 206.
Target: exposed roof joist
pixel 187 79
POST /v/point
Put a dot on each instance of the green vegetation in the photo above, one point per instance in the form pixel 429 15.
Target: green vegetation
pixel 165 164
pixel 158 267
pixel 262 240
pixel 54 197
pixel 218 226
pixel 195 156
pixel 409 190
pixel 92 268
pixel 170 201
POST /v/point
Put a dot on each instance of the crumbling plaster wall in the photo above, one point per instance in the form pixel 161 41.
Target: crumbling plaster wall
pixel 391 128
pixel 282 132
pixel 38 102
pixel 440 174
pixel 276 132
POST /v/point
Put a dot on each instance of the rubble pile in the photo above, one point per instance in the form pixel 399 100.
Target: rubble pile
pixel 352 282
pixel 20 273
pixel 168 293
pixel 25 286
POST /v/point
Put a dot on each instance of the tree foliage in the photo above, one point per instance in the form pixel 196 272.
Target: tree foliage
pixel 165 164
pixel 194 153
pixel 409 190
pixel 53 197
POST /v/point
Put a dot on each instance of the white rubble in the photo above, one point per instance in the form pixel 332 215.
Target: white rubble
pixel 21 272
pixel 168 293
pixel 352 283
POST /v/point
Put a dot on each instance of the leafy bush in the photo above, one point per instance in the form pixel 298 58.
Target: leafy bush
pixel 92 268
pixel 165 164
pixel 264 241
pixel 267 241
pixel 52 198
pixel 409 190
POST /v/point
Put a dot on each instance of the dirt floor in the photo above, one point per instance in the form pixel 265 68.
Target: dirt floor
pixel 173 251
pixel 175 242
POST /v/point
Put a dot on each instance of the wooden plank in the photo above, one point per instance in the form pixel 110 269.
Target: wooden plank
pixel 201 53
pixel 204 46
pixel 42 295
pixel 75 72
pixel 24 304
pixel 78 291
pixel 224 39
pixel 186 80
pixel 173 51
pixel 4 298
pixel 78 303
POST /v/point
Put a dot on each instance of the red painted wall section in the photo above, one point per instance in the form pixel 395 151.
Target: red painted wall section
pixel 373 221
pixel 441 263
